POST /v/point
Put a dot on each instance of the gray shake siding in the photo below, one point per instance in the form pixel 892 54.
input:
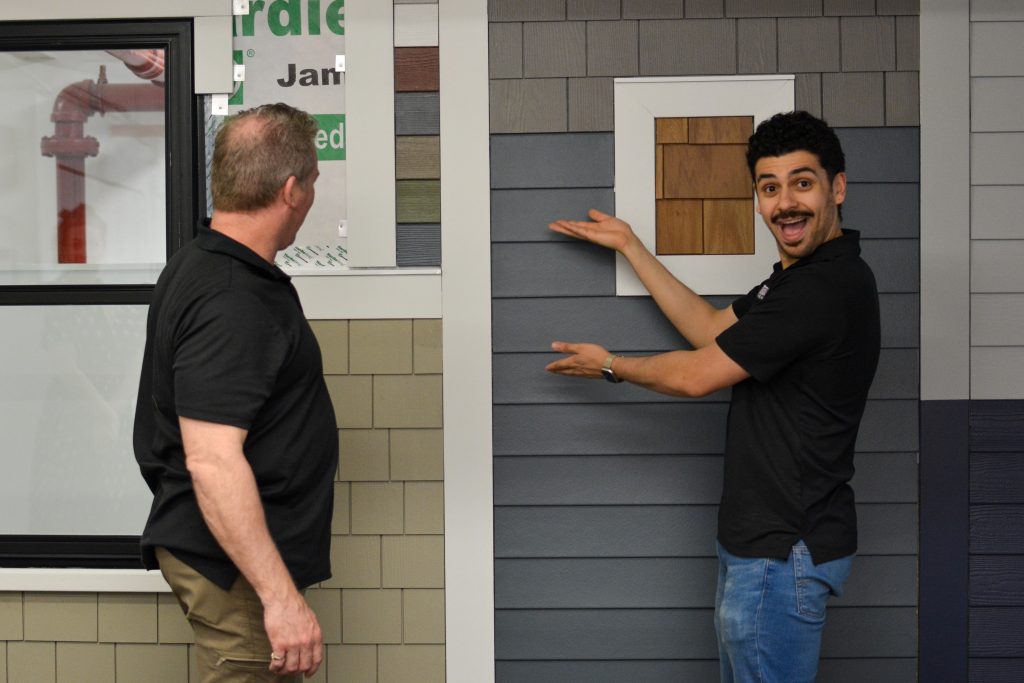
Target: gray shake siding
pixel 606 496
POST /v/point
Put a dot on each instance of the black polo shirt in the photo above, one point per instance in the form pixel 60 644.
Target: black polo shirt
pixel 809 337
pixel 227 342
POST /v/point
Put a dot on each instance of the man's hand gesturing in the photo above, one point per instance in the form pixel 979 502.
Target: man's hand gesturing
pixel 607 231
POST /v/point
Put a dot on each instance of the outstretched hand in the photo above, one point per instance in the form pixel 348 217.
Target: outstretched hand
pixel 585 360
pixel 607 231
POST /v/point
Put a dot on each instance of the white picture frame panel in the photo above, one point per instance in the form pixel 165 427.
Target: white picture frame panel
pixel 638 101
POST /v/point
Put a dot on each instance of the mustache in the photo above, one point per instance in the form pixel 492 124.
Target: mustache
pixel 785 215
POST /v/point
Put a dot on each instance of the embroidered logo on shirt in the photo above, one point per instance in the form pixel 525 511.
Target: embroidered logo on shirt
pixel 762 293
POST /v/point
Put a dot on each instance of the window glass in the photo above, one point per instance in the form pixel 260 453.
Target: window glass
pixel 82 177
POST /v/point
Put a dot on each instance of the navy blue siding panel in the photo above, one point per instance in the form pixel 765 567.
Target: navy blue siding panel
pixel 664 531
pixel 997 529
pixel 883 210
pixel 609 429
pixel 537 270
pixel 996 632
pixel 997 426
pixel 524 215
pixel 881 155
pixel 997 478
pixel 829 671
pixel 997 581
pixel 683 634
pixel 552 160
pixel 521 378
pixel 668 479
pixel 997 670
pixel 895 263
pixel 634 324
pixel 661 582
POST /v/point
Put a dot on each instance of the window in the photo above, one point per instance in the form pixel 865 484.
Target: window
pixel 99 121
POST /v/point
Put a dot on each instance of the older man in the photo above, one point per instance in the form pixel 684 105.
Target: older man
pixel 234 430
pixel 800 351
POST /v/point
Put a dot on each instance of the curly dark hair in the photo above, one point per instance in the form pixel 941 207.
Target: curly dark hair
pixel 796 131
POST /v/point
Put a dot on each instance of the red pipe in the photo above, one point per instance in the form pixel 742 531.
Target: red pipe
pixel 73 106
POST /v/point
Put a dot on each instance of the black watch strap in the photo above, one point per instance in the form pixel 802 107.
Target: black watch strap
pixel 606 369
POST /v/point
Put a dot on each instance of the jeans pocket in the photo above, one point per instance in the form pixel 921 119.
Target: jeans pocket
pixel 815 584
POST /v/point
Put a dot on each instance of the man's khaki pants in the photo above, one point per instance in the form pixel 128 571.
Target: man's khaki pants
pixel 231 641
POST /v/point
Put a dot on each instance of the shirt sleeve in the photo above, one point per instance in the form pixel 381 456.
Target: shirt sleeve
pixel 793 321
pixel 227 353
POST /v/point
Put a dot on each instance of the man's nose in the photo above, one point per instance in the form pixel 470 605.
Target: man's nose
pixel 787 198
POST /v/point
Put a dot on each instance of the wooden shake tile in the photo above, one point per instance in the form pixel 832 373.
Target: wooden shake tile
pixel 716 130
pixel 670 130
pixel 678 226
pixel 729 226
pixel 706 172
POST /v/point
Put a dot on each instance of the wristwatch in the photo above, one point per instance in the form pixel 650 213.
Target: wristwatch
pixel 607 371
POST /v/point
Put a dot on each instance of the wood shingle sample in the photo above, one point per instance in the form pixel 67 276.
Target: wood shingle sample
pixel 717 130
pixel 706 172
pixel 671 130
pixel 679 226
pixel 729 226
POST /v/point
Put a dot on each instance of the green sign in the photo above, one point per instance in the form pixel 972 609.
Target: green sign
pixel 330 139
pixel 295 17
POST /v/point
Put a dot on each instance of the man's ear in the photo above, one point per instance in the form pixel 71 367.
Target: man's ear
pixel 839 187
pixel 289 192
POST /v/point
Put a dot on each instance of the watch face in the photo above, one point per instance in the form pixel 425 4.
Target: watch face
pixel 609 375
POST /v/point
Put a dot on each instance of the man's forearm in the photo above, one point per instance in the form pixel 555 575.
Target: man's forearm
pixel 697 320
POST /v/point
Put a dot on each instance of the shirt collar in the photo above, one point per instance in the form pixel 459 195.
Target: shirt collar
pixel 847 244
pixel 210 240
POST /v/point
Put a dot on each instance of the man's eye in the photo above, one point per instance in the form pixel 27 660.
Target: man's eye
pixel 767 189
pixel 803 184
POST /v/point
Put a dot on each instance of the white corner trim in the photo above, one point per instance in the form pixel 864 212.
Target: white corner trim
pixel 945 87
pixel 82 581
pixel 466 342
pixel 370 133
pixel 638 101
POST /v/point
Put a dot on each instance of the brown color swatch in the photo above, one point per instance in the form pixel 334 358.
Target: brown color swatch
pixel 417 157
pixel 417 69
pixel 670 130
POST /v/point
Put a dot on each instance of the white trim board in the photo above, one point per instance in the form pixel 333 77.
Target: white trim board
pixel 466 342
pixel 638 101
pixel 82 581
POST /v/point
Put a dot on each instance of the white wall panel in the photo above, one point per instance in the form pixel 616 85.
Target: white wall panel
pixel 997 212
pixel 997 266
pixel 997 319
pixel 997 10
pixel 996 159
pixel 997 373
pixel 997 104
pixel 995 49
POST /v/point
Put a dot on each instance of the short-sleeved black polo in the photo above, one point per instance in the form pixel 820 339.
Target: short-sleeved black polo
pixel 809 337
pixel 227 342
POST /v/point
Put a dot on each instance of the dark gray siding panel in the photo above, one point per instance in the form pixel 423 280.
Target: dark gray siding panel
pixel 521 378
pixel 668 479
pixel 556 160
pixel 634 324
pixel 523 215
pixel 537 270
pixel 660 582
pixel 888 426
pixel 895 263
pixel 883 210
pixel 881 155
pixel 997 529
pixel 609 429
pixel 664 531
pixel 679 634
pixel 996 670
pixel 830 671
pixel 418 244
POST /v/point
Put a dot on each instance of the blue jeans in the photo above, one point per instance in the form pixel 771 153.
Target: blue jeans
pixel 769 614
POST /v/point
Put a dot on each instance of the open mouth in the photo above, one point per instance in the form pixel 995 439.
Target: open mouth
pixel 791 228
